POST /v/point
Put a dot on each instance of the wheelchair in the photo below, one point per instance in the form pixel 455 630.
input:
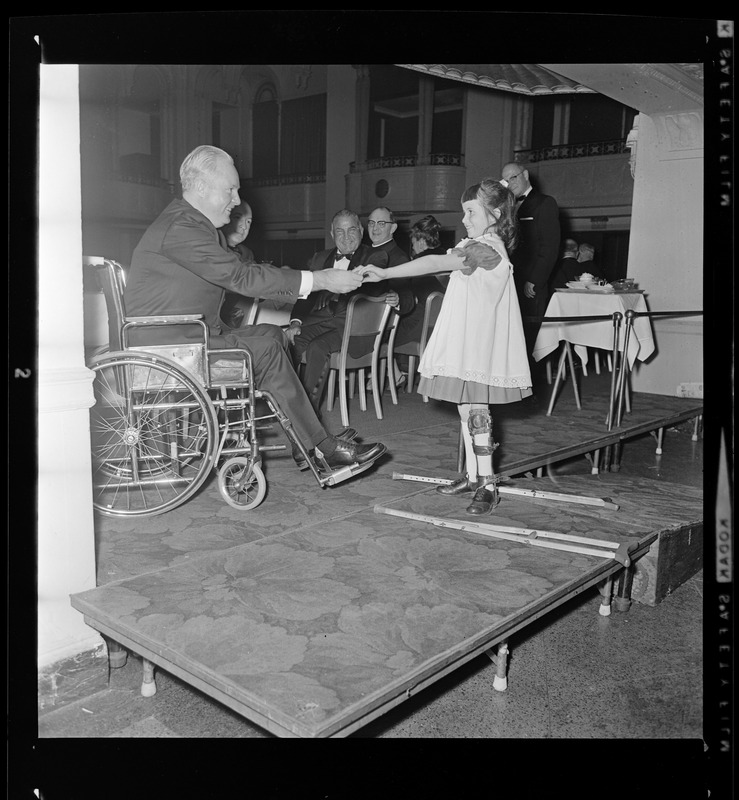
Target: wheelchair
pixel 165 416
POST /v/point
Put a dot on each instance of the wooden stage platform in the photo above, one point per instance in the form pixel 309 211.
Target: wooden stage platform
pixel 318 631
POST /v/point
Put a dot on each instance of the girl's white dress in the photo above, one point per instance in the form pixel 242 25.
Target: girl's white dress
pixel 477 351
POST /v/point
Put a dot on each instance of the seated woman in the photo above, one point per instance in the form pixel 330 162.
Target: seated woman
pixel 425 241
pixel 235 308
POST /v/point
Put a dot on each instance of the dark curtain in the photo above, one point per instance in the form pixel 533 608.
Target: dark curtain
pixel 303 140
pixel 264 130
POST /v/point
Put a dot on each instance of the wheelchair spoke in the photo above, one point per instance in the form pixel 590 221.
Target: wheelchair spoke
pixel 154 435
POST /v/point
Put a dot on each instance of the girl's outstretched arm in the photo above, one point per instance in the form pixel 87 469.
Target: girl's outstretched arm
pixel 426 265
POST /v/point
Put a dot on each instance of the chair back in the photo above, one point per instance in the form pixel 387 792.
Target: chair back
pixel 431 314
pixel 266 313
pixel 366 317
pixel 111 278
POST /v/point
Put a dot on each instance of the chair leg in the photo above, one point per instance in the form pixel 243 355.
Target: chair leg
pixel 596 360
pixel 377 392
pixel 392 377
pixel 352 377
pixel 411 380
pixel 559 378
pixel 342 398
pixel 362 391
pixel 549 370
pixel 331 390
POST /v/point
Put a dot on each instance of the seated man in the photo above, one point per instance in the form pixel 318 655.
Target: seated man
pixel 587 262
pixel 568 268
pixel 321 318
pixel 182 265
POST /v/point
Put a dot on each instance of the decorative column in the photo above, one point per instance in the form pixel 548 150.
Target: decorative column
pixel 362 113
pixel 65 535
pixel 425 119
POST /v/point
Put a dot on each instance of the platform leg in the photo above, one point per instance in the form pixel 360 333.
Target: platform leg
pixel 660 438
pixel 148 685
pixel 117 655
pixel 594 459
pixel 622 598
pixel 606 590
pixel 499 657
pixel 696 428
pixel 616 457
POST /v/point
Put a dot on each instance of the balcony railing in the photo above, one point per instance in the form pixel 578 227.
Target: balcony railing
pixel 388 162
pixel 144 180
pixel 561 151
pixel 286 180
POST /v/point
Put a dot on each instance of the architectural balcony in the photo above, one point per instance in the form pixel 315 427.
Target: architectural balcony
pixel 407 184
pixel 290 200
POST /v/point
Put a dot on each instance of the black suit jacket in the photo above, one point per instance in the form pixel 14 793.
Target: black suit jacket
pixel 568 269
pixel 305 310
pixel 537 251
pixel 182 265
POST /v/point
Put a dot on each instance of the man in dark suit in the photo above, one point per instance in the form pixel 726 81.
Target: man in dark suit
pixel 586 261
pixel 537 250
pixel 322 316
pixel 182 265
pixel 568 268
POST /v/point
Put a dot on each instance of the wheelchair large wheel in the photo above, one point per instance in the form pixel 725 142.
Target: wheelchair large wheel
pixel 242 483
pixel 153 431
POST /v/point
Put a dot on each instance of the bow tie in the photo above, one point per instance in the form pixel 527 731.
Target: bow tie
pixel 340 256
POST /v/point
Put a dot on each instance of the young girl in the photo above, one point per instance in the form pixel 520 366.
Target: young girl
pixel 476 354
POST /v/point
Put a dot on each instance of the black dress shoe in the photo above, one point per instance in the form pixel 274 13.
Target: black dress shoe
pixel 348 453
pixel 462 486
pixel 484 500
pixel 345 434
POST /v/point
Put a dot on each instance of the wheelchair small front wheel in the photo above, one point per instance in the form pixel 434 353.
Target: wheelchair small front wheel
pixel 241 483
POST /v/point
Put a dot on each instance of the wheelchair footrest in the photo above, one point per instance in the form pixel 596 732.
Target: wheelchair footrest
pixel 344 473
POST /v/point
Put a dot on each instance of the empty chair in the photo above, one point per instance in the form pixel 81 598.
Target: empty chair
pixel 365 317
pixel 267 312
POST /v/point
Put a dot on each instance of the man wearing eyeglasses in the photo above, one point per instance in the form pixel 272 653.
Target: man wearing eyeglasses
pixel 381 227
pixel 320 318
pixel 537 251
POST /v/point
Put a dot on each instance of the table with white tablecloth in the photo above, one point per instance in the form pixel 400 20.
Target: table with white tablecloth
pixel 595 333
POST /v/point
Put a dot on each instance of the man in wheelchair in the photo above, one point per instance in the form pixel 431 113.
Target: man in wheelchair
pixel 182 265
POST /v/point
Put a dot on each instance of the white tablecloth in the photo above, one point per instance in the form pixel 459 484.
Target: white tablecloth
pixel 595 333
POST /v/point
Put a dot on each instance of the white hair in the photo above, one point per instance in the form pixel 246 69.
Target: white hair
pixel 201 163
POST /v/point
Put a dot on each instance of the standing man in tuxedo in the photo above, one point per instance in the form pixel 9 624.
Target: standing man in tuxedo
pixel 321 317
pixel 536 253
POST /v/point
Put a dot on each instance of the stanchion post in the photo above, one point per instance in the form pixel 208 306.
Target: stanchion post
pixel 614 370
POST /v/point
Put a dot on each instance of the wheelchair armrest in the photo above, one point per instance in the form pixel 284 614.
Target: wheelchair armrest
pixel 170 319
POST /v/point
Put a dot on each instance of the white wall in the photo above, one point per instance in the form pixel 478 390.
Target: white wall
pixel 66 546
pixel 666 245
